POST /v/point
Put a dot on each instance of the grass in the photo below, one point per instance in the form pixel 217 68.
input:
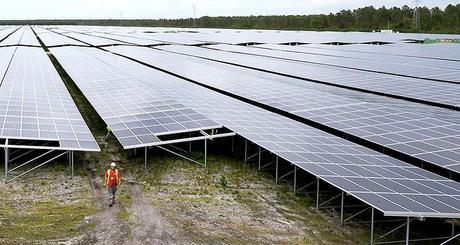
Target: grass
pixel 45 205
pixel 191 196
pixel 41 221
pixel 124 202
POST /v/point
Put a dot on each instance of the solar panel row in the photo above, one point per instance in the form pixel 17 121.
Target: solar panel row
pixel 184 35
pixel 35 104
pixel 23 36
pixel 136 112
pixel 51 39
pixel 5 32
pixel 429 139
pixel 385 58
pixel 432 51
pixel 419 71
pixel 443 94
pixel 394 187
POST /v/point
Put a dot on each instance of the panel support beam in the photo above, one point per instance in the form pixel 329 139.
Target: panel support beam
pixel 277 170
pixel 179 155
pixel 245 151
pixel 72 162
pixel 260 157
pixel 205 153
pixel 342 202
pixel 317 194
pixel 6 160
pixel 146 149
pixel 38 166
pixel 372 226
pixel 295 179
pixel 407 230
pixel 190 144
pixel 233 144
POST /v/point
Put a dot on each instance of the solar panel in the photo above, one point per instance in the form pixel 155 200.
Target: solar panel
pixel 393 187
pixel 50 38
pixel 28 37
pixel 92 40
pixel 23 36
pixel 5 57
pixel 387 58
pixel 432 140
pixel 423 71
pixel 129 39
pixel 440 51
pixel 443 94
pixel 135 112
pixel 145 39
pixel 35 104
pixel 13 39
pixel 5 32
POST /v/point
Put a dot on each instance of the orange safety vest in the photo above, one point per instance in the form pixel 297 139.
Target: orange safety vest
pixel 109 176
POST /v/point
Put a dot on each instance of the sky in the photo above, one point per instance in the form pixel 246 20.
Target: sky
pixel 155 9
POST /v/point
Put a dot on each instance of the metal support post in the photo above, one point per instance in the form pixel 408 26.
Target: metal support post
pixel 6 161
pixel 276 167
pixel 407 231
pixel 233 144
pixel 190 144
pixel 260 157
pixel 145 160
pixel 245 151
pixel 341 208
pixel 72 163
pixel 205 152
pixel 453 227
pixel 295 179
pixel 317 193
pixel 372 226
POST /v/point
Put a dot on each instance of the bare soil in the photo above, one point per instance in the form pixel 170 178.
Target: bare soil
pixel 178 202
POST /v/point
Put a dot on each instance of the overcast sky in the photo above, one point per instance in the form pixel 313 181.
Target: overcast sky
pixel 70 9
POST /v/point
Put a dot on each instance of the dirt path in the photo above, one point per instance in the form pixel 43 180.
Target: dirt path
pixel 109 226
pixel 149 226
pixel 145 225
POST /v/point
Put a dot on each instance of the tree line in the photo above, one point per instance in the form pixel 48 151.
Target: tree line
pixel 434 20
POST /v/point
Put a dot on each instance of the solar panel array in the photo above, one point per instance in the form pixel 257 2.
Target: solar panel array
pixel 51 39
pixel 35 104
pixel 23 36
pixel 432 140
pixel 136 113
pixel 92 40
pixel 5 57
pixel 419 71
pixel 128 38
pixel 4 32
pixel 142 104
pixel 367 56
pixel 441 93
pixel 264 36
pixel 445 52
pixel 394 187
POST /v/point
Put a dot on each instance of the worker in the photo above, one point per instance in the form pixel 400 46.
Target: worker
pixel 112 180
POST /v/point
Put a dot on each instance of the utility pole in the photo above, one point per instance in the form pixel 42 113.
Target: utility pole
pixel 121 17
pixel 416 17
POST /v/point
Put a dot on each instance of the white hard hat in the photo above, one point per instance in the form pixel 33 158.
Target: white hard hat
pixel 113 164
